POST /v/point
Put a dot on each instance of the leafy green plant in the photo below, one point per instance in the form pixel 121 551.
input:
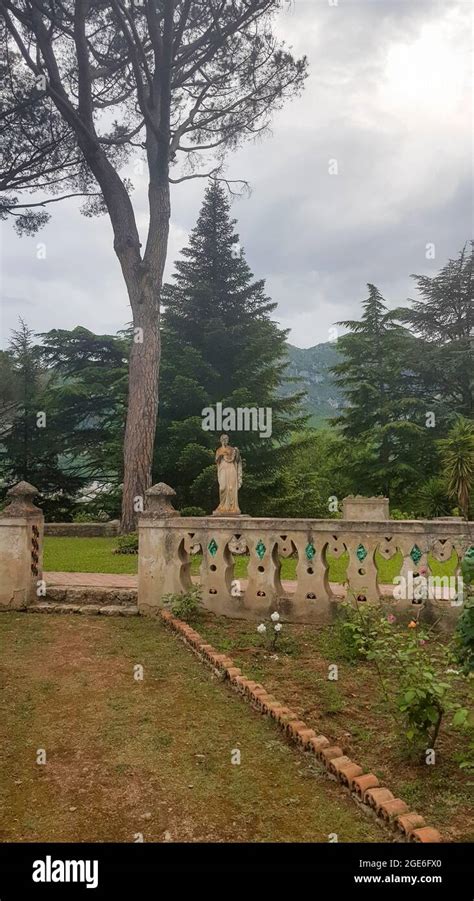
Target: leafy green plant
pixel 90 516
pixel 357 627
pixel 422 697
pixel 185 606
pixel 410 675
pixel 466 758
pixel 127 544
pixel 432 498
pixel 464 638
pixel 457 459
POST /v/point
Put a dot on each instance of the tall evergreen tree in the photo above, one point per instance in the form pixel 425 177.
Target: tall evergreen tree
pixel 220 345
pixel 88 394
pixel 443 318
pixel 384 419
pixel 315 478
pixel 9 394
pixel 31 443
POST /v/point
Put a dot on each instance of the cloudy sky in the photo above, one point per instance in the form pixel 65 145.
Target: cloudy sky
pixel 389 98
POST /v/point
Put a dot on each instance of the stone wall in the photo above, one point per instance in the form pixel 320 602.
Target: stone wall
pixel 82 529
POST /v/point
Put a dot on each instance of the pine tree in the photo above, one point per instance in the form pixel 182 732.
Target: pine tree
pixel 384 420
pixel 444 321
pixel 220 345
pixel 32 448
pixel 88 395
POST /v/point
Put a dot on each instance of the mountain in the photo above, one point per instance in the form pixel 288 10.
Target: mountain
pixel 310 365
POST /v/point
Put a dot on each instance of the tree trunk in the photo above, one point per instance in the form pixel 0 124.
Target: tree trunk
pixel 143 373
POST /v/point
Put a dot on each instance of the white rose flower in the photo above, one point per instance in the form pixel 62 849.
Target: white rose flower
pixel 278 627
pixel 261 628
pixel 275 617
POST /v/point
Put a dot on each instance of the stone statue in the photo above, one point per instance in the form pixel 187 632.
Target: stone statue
pixel 229 476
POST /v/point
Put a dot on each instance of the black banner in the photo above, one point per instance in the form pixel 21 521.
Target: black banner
pixel 107 870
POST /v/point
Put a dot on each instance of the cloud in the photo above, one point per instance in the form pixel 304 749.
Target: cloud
pixel 387 98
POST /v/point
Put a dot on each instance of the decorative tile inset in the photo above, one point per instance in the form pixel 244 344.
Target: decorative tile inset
pixel 212 547
pixel 361 553
pixel 310 550
pixel 260 549
pixel 415 554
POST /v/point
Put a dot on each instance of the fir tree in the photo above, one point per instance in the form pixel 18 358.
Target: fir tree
pixel 384 419
pixel 220 345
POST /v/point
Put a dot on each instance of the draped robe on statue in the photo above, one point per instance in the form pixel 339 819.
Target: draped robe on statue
pixel 229 476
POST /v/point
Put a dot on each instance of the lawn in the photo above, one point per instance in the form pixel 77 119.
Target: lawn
pixel 352 712
pixel 86 555
pixel 96 555
pixel 126 758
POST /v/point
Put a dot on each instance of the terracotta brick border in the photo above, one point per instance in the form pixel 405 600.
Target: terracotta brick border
pixel 364 788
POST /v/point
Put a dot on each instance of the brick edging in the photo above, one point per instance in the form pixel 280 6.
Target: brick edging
pixel 363 787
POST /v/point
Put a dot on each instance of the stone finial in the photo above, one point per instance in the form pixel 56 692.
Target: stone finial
pixel 159 503
pixel 21 503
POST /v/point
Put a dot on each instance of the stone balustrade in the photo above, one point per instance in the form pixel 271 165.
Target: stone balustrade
pixel 360 548
pixel 168 542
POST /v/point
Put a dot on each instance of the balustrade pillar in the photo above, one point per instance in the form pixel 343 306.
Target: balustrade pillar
pixel 21 548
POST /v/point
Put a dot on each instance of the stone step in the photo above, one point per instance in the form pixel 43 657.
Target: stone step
pixel 82 595
pixel 86 609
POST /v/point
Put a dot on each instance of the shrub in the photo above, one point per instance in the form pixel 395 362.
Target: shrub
pixel 185 606
pixel 90 516
pixel 464 638
pixel 401 514
pixel 422 697
pixel 408 671
pixel 357 627
pixel 432 499
pixel 127 544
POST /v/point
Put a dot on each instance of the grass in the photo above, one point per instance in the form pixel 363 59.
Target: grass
pixel 86 555
pixel 125 757
pixel 352 713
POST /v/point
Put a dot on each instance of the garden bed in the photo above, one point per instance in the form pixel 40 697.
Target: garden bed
pixel 353 713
